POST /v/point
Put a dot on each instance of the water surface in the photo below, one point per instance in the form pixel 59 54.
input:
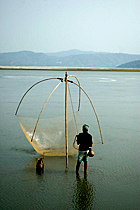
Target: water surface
pixel 113 174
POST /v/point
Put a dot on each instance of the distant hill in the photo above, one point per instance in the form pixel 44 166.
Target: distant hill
pixel 132 64
pixel 71 58
pixel 70 52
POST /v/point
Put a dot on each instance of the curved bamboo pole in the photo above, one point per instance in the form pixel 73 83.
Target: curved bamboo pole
pixel 43 108
pixel 92 107
pixel 31 88
pixel 79 90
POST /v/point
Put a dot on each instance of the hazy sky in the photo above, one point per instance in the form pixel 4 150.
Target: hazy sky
pixel 57 25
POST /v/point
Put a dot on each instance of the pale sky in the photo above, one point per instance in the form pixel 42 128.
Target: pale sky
pixel 57 25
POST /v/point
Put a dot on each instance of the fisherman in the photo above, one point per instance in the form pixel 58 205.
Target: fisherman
pixel 84 140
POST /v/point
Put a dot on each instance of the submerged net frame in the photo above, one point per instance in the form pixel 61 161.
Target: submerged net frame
pixel 32 136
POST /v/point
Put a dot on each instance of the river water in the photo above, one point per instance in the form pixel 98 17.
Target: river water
pixel 113 178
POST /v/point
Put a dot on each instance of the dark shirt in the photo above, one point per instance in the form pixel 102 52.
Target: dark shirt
pixel 84 140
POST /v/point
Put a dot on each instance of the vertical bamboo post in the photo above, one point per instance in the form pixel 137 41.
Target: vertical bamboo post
pixel 66 124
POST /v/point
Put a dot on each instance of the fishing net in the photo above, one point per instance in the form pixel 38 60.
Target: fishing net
pixel 45 130
pixel 49 138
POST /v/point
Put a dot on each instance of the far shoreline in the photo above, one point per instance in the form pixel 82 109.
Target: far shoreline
pixel 61 68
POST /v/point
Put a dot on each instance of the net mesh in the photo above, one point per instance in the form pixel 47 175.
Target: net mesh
pixel 49 138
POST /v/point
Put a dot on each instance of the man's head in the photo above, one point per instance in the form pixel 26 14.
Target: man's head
pixel 85 128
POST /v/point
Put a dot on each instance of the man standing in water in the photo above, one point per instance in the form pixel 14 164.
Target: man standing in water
pixel 84 140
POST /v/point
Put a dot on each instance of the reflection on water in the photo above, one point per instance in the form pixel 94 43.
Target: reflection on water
pixel 83 197
pixel 59 188
pixel 40 174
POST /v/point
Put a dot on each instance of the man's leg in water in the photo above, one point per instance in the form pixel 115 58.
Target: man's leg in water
pixel 85 166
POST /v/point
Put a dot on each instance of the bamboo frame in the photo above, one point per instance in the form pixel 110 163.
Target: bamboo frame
pixel 66 90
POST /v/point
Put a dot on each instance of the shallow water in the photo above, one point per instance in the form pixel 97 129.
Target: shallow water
pixel 113 179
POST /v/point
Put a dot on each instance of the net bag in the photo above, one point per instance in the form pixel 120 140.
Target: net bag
pixel 49 138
